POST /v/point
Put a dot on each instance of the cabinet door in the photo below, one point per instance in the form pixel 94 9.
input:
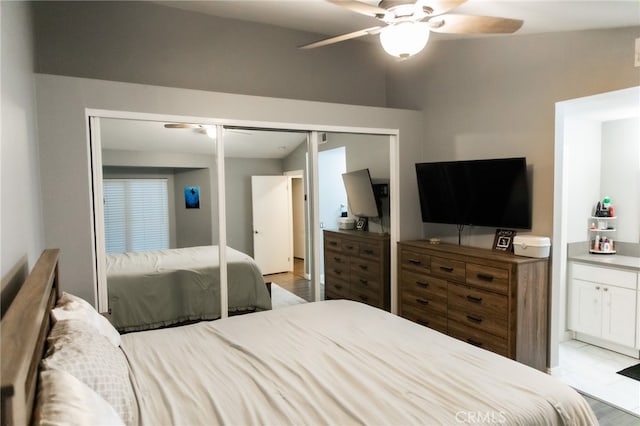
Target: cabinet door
pixel 618 315
pixel 586 307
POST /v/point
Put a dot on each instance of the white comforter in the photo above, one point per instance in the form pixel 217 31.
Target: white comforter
pixel 337 363
pixel 152 289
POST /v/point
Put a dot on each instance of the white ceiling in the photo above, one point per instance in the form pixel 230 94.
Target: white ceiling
pixel 321 17
pixel 136 135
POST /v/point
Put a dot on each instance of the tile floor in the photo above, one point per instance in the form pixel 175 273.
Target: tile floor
pixel 592 370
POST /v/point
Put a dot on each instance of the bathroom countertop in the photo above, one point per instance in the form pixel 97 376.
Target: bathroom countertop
pixel 613 260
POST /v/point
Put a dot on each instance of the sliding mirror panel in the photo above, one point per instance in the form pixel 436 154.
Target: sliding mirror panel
pixel 160 203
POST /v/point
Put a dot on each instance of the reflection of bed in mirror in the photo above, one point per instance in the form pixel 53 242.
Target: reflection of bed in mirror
pixel 158 288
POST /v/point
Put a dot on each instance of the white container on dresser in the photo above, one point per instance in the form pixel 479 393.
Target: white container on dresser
pixel 603 306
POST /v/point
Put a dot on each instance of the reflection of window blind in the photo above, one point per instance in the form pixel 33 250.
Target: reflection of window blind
pixel 136 215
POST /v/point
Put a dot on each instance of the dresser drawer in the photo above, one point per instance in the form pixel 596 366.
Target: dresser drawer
pixel 479 321
pixel 488 277
pixel 433 302
pixel 364 284
pixel 478 338
pixel 335 288
pixel 332 242
pixel 448 268
pixel 364 295
pixel 370 251
pixel 479 302
pixel 336 265
pixel 414 260
pixel 365 268
pixel 350 247
pixel 423 285
pixel 428 318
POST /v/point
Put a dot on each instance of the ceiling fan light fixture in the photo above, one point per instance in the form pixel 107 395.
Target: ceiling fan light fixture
pixel 212 132
pixel 404 39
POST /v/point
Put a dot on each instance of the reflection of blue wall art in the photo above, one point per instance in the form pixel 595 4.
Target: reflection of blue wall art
pixel 192 197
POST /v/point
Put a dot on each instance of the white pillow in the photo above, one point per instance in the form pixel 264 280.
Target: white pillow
pixel 73 307
pixel 78 349
pixel 65 400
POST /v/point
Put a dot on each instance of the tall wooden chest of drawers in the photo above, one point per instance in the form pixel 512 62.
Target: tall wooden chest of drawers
pixel 494 300
pixel 356 267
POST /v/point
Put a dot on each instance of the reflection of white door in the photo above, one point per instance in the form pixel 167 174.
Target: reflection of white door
pixel 272 244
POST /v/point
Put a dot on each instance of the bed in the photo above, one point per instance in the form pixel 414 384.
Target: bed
pixel 332 362
pixel 153 289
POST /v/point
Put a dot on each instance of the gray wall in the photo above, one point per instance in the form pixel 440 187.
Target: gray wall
pixel 194 226
pixel 21 229
pixel 495 97
pixel 143 42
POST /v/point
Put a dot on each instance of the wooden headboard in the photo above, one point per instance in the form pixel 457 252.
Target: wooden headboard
pixel 24 330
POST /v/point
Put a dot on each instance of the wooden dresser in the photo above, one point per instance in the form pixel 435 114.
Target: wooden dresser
pixel 490 299
pixel 356 267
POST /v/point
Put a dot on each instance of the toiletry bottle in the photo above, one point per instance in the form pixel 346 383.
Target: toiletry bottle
pixel 596 244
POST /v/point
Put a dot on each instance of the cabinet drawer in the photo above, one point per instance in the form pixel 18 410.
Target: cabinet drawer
pixel 487 277
pixel 423 285
pixel 447 268
pixel 478 302
pixel 478 338
pixel 365 268
pixel 350 247
pixel 364 284
pixel 428 318
pixel 424 302
pixel 337 266
pixel 336 289
pixel 364 295
pixel 414 260
pixel 611 276
pixel 479 321
pixel 332 242
pixel 370 251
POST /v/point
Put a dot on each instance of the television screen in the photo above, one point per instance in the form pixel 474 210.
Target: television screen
pixel 477 192
pixel 360 195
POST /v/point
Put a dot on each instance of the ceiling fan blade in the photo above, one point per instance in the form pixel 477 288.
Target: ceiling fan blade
pixel 181 126
pixel 340 38
pixel 468 24
pixel 363 8
pixel 438 7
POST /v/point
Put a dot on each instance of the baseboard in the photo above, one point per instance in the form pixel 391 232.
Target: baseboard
pixel 633 353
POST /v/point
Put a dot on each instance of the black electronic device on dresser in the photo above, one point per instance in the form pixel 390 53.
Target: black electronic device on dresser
pixel 356 267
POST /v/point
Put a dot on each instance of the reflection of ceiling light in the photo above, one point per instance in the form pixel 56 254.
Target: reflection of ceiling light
pixel 404 39
pixel 212 132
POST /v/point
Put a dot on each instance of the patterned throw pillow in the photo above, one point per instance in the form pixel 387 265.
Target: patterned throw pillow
pixel 74 307
pixel 63 399
pixel 77 348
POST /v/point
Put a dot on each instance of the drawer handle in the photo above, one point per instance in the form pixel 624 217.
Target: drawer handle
pixel 423 322
pixel 349 247
pixel 364 267
pixel 338 286
pixel 337 271
pixel 333 243
pixel 422 301
pixel 422 284
pixel 474 299
pixel 367 251
pixel 446 268
pixel 363 281
pixel 485 277
pixel 337 259
pixel 415 262
pixel 475 319
pixel 474 342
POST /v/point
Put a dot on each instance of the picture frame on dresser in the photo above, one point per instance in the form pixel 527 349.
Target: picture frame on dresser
pixel 503 240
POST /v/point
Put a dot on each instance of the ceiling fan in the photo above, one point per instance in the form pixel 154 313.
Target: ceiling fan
pixel 205 129
pixel 405 26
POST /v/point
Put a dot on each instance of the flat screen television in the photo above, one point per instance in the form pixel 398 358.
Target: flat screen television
pixel 360 194
pixel 492 192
